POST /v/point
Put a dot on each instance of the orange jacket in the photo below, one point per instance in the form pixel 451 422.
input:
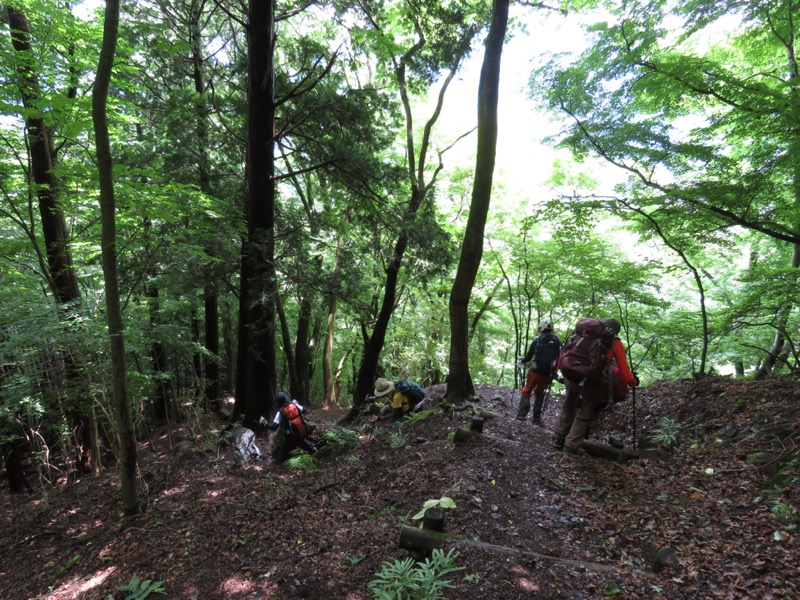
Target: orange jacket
pixel 617 352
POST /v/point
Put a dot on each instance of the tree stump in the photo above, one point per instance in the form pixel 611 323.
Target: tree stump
pixel 433 520
pixel 464 435
pixel 476 424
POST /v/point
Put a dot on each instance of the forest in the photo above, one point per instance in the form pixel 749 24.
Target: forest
pixel 206 202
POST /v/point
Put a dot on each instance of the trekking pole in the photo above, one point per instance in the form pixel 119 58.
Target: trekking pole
pixel 634 417
pixel 546 397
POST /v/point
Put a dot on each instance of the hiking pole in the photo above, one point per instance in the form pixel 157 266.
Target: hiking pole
pixel 546 398
pixel 634 417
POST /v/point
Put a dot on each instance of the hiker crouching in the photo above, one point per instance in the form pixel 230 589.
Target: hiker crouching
pixel 293 430
pixel 404 397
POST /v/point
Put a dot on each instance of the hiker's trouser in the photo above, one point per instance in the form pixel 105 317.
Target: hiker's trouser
pixel 578 412
pixel 536 384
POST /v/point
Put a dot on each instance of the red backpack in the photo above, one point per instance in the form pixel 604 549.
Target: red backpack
pixel 583 357
pixel 297 425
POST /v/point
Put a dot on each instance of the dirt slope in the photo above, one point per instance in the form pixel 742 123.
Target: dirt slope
pixel 694 522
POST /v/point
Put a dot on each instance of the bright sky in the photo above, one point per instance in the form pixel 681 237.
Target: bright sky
pixel 524 163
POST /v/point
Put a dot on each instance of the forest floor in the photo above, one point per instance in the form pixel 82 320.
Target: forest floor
pixel 715 517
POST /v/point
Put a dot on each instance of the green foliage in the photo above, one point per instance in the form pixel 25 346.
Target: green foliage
pixel 416 417
pixel 443 502
pixel 301 461
pixel 397 439
pixel 339 439
pixel 138 590
pixel 666 434
pixel 406 580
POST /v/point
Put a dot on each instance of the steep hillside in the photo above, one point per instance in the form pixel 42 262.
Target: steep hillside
pixel 715 516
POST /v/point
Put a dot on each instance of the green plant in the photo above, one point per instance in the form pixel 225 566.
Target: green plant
pixel 339 439
pixel 301 460
pixel 783 512
pixel 407 580
pixel 666 433
pixel 398 440
pixel 443 502
pixel 140 589
pixel 416 417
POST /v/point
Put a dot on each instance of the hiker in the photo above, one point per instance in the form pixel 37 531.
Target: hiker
pixel 544 351
pixel 293 430
pixel 404 397
pixel 585 398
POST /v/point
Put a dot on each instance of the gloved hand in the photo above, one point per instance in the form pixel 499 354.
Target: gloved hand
pixel 636 380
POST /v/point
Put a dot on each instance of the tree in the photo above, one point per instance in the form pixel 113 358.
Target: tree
pixel 459 382
pixel 441 40
pixel 708 132
pixel 59 271
pixel 126 439
pixel 256 375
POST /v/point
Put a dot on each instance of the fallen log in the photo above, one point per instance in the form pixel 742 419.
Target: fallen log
pixel 465 434
pixel 424 541
pixel 609 452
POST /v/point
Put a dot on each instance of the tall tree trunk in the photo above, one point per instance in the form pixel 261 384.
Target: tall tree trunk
pixel 210 301
pixel 459 381
pixel 124 425
pixel 256 384
pixel 288 351
pixel 302 351
pixel 328 383
pixel 60 274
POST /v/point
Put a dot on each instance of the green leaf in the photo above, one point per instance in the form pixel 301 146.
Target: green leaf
pixel 446 502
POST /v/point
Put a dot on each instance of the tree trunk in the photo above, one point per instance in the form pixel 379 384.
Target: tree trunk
pixel 256 383
pixel 124 426
pixel 781 320
pixel 210 367
pixel 302 351
pixel 61 276
pixel 294 385
pixel 459 382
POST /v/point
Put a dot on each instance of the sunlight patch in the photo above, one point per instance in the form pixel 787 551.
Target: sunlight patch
pixel 79 589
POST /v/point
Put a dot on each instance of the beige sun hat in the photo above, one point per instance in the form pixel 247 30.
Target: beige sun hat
pixel 383 387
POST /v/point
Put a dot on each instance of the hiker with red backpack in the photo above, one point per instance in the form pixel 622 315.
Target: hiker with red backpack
pixel 544 351
pixel 590 361
pixel 293 430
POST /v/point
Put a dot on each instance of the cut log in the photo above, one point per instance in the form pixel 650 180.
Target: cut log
pixel 433 520
pixel 609 452
pixel 476 424
pixel 423 542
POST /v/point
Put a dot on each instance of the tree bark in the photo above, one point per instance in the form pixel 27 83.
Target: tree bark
pixel 256 381
pixel 124 426
pixel 459 381
pixel 60 274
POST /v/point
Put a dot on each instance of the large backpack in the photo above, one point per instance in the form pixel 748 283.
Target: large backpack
pixel 296 424
pixel 547 349
pixel 583 357
pixel 412 391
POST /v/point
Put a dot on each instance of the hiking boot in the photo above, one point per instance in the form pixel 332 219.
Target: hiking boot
pixel 574 451
pixel 558 441
pixel 520 418
pixel 537 421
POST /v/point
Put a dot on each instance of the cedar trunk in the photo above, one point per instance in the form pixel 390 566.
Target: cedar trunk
pixel 256 355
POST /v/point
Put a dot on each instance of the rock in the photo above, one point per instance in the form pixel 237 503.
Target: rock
pixel 665 557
